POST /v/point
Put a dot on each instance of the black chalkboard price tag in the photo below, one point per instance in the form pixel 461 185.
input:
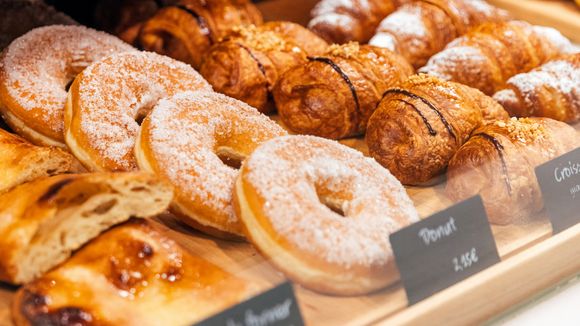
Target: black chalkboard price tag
pixel 443 249
pixel 275 307
pixel 559 181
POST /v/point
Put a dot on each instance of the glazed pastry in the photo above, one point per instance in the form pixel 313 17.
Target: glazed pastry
pixel 21 161
pixel 130 275
pixel 186 30
pixel 420 29
pixel 322 213
pixel 490 54
pixel 342 21
pixel 498 163
pixel 125 17
pixel 110 98
pixel 43 221
pixel 418 126
pixel 36 70
pixel 334 94
pixel 551 90
pixel 196 141
pixel 248 62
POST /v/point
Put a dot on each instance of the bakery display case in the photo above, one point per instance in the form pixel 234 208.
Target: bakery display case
pixel 227 162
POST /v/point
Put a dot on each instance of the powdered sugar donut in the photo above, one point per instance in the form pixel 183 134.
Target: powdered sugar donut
pixel 322 212
pixel 187 138
pixel 108 100
pixel 35 71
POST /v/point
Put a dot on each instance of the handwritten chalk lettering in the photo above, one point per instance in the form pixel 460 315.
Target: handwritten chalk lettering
pixel 574 190
pixel 465 260
pixel 561 174
pixel 433 235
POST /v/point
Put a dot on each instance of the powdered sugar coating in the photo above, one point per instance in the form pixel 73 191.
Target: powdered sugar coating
pixel 444 64
pixel 405 23
pixel 184 132
pixel 291 173
pixel 37 67
pixel 115 91
pixel 556 38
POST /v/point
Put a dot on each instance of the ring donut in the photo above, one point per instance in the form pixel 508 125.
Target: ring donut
pixel 35 71
pixel 107 101
pixel 322 213
pixel 187 138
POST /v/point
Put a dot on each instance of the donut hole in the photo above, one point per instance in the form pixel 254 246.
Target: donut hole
pixel 331 202
pixel 229 157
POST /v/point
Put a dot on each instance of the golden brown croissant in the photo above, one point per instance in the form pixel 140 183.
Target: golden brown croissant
pixel 334 95
pixel 490 54
pixel 20 161
pixel 418 126
pixel 420 29
pixel 43 221
pixel 248 62
pixel 130 275
pixel 341 21
pixel 186 30
pixel 498 163
pixel 551 90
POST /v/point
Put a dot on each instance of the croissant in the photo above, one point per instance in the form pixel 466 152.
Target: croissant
pixel 418 126
pixel 498 163
pixel 44 220
pixel 130 275
pixel 342 21
pixel 551 90
pixel 334 95
pixel 125 17
pixel 490 54
pixel 420 29
pixel 248 62
pixel 20 161
pixel 186 30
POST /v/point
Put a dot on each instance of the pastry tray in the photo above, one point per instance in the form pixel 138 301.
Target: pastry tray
pixel 532 259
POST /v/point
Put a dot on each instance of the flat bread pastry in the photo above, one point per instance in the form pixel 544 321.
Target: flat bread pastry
pixel 43 221
pixel 130 275
pixel 20 161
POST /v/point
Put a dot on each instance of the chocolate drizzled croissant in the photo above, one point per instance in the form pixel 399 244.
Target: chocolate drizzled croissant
pixel 551 90
pixel 498 163
pixel 186 30
pixel 420 29
pixel 247 63
pixel 418 126
pixel 334 95
pixel 490 54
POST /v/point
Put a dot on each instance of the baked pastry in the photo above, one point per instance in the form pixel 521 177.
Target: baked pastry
pixel 498 163
pixel 130 275
pixel 20 161
pixel 125 17
pixel 342 21
pixel 418 126
pixel 322 213
pixel 334 95
pixel 295 33
pixel 46 219
pixel 420 29
pixel 551 90
pixel 20 16
pixel 109 99
pixel 248 62
pixel 196 141
pixel 186 30
pixel 490 54
pixel 36 70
